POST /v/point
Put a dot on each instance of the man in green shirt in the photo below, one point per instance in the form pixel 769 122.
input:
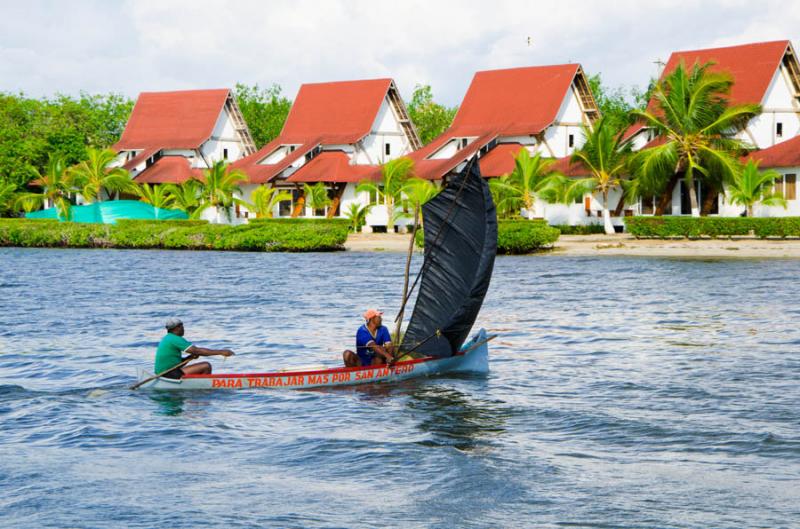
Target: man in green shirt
pixel 173 345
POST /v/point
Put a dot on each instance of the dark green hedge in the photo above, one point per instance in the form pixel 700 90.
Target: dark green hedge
pixel 693 227
pixel 589 229
pixel 275 236
pixel 518 236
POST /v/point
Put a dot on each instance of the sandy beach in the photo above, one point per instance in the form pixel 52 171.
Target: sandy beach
pixel 620 245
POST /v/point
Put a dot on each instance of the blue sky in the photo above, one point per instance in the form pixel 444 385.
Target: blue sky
pixel 131 46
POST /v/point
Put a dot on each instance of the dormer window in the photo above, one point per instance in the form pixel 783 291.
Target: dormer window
pixel 278 154
pixel 450 148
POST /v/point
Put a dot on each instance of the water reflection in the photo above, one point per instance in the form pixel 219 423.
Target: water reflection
pixel 170 403
pixel 453 418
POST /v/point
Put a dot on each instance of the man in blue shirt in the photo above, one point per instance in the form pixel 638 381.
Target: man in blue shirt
pixel 373 343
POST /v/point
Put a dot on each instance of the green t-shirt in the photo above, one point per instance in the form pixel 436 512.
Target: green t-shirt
pixel 169 351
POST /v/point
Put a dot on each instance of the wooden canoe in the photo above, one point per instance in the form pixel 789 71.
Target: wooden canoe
pixel 472 358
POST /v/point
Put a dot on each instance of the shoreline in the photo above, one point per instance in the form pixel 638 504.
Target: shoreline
pixel 620 245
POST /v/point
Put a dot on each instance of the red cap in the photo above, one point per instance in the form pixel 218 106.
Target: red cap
pixel 371 313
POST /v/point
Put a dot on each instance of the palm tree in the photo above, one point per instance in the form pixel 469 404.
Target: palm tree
pixel 218 186
pixel 357 215
pixel 316 197
pixel 561 189
pixel 693 117
pixel 186 196
pixel 750 185
pixel 265 199
pixel 56 187
pixel 9 202
pixel 505 196
pixel 393 176
pixel 93 175
pixel 605 155
pixel 157 196
pixel 529 177
pixel 415 193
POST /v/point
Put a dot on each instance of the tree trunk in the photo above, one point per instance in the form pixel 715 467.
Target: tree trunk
pixel 405 280
pixel 607 216
pixel 530 209
pixel 749 210
pixel 298 208
pixel 708 200
pixel 620 206
pixel 389 214
pixel 666 196
pixel 693 197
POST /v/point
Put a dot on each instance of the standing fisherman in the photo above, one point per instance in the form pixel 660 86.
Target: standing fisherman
pixel 173 344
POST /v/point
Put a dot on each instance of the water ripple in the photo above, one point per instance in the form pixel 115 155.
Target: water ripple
pixel 623 393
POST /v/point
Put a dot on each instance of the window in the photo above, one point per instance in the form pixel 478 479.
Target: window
pixel 462 143
pixel 572 140
pixel 779 130
pixel 790 191
pixel 375 198
pixel 388 149
pixel 225 154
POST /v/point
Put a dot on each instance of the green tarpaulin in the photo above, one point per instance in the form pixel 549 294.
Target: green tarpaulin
pixel 110 212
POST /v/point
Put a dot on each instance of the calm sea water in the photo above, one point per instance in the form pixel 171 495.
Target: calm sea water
pixel 622 393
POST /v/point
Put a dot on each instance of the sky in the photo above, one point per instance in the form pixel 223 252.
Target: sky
pixel 49 47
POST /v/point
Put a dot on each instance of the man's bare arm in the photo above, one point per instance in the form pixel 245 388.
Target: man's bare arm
pixel 202 351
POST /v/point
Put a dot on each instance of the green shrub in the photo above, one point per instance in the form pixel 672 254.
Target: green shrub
pixel 518 236
pixel 694 227
pixel 161 223
pixel 588 229
pixel 318 235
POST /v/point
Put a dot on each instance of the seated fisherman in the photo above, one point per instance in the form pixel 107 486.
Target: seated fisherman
pixel 373 343
pixel 173 344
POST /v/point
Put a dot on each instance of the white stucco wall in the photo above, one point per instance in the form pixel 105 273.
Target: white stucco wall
pixel 223 137
pixel 568 122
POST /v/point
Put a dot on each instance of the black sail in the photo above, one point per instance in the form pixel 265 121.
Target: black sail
pixel 460 247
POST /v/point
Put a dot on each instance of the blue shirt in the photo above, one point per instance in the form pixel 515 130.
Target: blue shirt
pixel 364 338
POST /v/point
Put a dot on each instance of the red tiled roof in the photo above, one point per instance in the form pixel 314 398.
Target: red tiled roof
pixel 500 160
pixel 333 113
pixel 338 113
pixel 168 170
pixel 510 102
pixel 784 154
pixel 331 166
pixel 752 66
pixel 437 168
pixel 173 120
pixel 514 101
pixel 258 173
pixel 569 168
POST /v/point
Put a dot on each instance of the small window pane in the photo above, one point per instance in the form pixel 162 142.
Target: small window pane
pixel 791 187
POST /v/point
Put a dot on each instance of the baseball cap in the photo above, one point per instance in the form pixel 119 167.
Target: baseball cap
pixel 172 323
pixel 371 313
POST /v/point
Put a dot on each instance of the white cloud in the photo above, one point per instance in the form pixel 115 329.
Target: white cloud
pixel 47 47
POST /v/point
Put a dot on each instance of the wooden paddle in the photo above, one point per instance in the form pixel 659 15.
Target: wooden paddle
pixel 145 381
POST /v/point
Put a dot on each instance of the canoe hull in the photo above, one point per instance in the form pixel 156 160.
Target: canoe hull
pixel 475 359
